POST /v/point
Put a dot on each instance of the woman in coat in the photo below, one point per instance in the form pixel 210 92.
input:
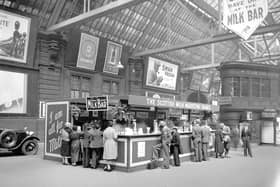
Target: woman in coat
pixel 65 150
pixel 75 146
pixel 110 145
pixel 219 146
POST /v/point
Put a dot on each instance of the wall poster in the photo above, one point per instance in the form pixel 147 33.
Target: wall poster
pixel 14 36
pixel 113 57
pixel 161 74
pixel 87 51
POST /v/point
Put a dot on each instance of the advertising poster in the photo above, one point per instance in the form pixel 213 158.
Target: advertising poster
pixel 13 93
pixel 196 80
pixel 244 16
pixel 97 103
pixel 161 74
pixel 87 51
pixel 56 116
pixel 113 57
pixel 14 36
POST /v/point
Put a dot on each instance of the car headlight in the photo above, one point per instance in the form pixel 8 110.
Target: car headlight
pixel 29 132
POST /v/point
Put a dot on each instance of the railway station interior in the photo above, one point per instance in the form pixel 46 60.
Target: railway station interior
pixel 136 64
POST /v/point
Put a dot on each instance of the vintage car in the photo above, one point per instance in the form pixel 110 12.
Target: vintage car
pixel 19 141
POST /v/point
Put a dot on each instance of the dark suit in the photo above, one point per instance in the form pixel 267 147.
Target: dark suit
pixel 175 148
pixel 85 144
pixel 246 136
pixel 205 132
pixel 196 136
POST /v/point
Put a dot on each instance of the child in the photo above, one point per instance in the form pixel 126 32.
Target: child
pixel 65 143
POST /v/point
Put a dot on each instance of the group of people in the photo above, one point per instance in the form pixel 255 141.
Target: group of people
pixel 89 145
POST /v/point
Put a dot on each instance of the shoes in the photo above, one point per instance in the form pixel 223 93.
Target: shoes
pixel 74 164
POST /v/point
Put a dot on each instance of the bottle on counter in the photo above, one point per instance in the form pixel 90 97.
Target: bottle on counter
pixel 156 130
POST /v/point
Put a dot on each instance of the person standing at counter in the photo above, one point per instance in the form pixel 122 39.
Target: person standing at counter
pixel 85 144
pixel 110 145
pixel 196 136
pixel 75 146
pixel 163 146
pixel 96 145
pixel 65 150
pixel 175 147
pixel 205 133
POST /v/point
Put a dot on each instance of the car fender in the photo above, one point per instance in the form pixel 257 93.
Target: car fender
pixel 25 139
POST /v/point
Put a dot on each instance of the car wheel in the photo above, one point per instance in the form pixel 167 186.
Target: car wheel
pixel 29 147
pixel 8 139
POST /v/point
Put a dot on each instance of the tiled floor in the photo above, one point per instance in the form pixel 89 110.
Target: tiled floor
pixel 263 170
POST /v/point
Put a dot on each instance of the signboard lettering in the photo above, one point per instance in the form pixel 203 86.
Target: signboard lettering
pixel 97 103
pixel 244 16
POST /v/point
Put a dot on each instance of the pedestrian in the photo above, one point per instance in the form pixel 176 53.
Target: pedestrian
pixel 196 137
pixel 65 150
pixel 96 144
pixel 206 134
pixel 219 146
pixel 85 144
pixel 235 137
pixel 164 146
pixel 110 143
pixel 175 147
pixel 226 134
pixel 75 146
pixel 246 136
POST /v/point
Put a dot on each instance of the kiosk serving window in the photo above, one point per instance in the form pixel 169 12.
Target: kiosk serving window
pixel 13 92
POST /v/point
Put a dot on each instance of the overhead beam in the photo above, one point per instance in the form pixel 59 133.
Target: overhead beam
pixel 95 13
pixel 207 66
pixel 56 12
pixel 274 10
pixel 214 39
pixel 206 7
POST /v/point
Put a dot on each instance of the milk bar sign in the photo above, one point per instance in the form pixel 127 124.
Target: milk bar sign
pixel 244 16
pixel 97 103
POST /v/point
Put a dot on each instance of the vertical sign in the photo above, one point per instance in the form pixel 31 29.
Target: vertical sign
pixel 244 16
pixel 141 148
pixel 87 51
pixel 113 57
pixel 57 113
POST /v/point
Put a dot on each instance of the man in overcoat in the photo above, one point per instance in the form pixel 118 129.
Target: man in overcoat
pixel 205 133
pixel 196 137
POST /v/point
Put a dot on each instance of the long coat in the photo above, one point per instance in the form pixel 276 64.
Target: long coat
pixel 110 144
pixel 219 146
pixel 96 140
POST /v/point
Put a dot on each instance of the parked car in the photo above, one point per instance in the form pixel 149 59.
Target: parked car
pixel 19 141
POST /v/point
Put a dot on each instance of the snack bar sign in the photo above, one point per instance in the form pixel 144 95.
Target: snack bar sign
pixel 244 16
pixel 97 103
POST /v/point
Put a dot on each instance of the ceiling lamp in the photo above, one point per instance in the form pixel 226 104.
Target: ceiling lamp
pixel 119 65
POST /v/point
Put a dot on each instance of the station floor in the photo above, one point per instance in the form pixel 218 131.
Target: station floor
pixel 263 170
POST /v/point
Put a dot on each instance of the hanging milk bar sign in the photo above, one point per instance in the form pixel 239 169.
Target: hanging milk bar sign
pixel 244 16
pixel 97 103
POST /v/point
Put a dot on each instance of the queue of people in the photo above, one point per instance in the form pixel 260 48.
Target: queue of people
pixel 88 146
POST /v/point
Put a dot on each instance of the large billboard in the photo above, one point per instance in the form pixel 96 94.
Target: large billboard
pixel 161 74
pixel 14 36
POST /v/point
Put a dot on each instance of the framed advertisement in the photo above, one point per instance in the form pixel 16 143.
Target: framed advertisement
pixel 161 74
pixel 87 51
pixel 113 57
pixel 14 36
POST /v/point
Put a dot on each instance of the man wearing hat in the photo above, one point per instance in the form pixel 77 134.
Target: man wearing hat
pixel 205 132
pixel 196 136
pixel 175 147
pixel 163 146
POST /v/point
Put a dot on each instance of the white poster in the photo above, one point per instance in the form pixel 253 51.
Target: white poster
pixel 244 16
pixel 87 51
pixel 113 58
pixel 13 92
pixel 141 149
pixel 161 74
pixel 14 36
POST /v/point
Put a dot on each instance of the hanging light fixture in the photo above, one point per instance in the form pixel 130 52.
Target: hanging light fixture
pixel 119 65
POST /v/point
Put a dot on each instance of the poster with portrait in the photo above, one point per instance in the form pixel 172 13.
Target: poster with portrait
pixel 13 93
pixel 161 74
pixel 87 51
pixel 14 36
pixel 113 57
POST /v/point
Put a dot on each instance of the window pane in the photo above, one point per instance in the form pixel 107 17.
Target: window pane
pixel 106 87
pixel 265 87
pixel 227 86
pixel 85 94
pixel 245 86
pixel 256 87
pixel 85 84
pixel 13 92
pixel 75 82
pixel 115 88
pixel 236 86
